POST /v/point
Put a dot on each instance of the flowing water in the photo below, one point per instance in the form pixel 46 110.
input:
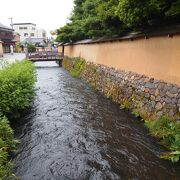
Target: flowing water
pixel 73 132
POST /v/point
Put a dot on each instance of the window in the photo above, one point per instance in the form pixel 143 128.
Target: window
pixel 32 34
pixel 25 27
pixel 20 28
pixel 25 34
pixel 33 28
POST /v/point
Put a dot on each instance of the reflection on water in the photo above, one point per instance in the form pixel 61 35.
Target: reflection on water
pixel 73 132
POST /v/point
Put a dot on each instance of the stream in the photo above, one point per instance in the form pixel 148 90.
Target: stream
pixel 73 132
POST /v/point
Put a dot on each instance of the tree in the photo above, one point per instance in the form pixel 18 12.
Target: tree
pixel 91 19
pixel 31 48
pixel 145 13
pixel 97 18
pixel 135 13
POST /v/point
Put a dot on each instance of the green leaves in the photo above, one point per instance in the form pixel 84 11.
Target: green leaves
pixel 169 133
pixel 135 13
pixel 96 18
pixel 7 144
pixel 16 87
pixel 16 93
pixel 91 19
pixel 31 48
pixel 78 67
pixel 142 14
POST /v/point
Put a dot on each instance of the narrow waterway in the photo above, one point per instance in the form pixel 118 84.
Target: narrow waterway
pixel 73 132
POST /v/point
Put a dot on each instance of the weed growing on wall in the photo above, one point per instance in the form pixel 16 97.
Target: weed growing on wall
pixel 78 67
pixel 68 63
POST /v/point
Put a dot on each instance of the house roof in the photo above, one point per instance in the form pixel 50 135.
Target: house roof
pixel 34 41
pixel 154 32
pixel 5 28
pixel 24 24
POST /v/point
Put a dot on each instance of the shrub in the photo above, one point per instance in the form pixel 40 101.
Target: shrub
pixel 16 87
pixel 169 134
pixel 16 93
pixel 31 48
pixel 7 144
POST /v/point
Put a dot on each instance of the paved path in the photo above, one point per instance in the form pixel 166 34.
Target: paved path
pixel 15 56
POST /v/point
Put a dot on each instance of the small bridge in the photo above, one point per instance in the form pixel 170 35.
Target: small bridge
pixel 45 56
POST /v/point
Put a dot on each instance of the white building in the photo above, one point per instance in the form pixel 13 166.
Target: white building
pixel 28 30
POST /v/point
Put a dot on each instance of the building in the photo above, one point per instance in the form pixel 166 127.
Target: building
pixel 41 33
pixel 7 38
pixel 38 42
pixel 28 30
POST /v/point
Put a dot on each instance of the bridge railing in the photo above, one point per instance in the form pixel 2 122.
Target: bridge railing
pixel 45 55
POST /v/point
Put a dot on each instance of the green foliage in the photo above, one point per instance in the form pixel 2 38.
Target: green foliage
pixel 7 144
pixel 16 87
pixel 78 67
pixel 96 18
pixel 135 13
pixel 31 48
pixel 174 10
pixel 91 19
pixel 141 14
pixel 136 113
pixel 16 93
pixel 74 65
pixel 169 133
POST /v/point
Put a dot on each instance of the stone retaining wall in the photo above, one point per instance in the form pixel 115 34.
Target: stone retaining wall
pixel 144 96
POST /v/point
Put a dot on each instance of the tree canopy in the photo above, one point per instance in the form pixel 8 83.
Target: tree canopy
pixel 97 18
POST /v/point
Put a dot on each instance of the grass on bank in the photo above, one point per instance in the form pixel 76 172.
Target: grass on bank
pixel 166 130
pixel 16 93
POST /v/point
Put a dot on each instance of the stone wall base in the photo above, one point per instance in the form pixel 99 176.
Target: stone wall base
pixel 146 97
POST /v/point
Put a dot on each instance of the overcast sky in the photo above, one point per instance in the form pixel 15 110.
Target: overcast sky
pixel 46 14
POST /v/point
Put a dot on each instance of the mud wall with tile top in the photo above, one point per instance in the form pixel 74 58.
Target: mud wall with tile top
pixel 142 75
pixel 156 57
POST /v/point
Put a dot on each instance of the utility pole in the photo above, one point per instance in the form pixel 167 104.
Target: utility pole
pixel 11 22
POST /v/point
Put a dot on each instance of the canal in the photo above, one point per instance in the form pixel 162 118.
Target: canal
pixel 73 132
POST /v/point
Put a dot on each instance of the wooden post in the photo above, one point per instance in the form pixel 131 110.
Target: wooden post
pixel 63 50
pixel 60 62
